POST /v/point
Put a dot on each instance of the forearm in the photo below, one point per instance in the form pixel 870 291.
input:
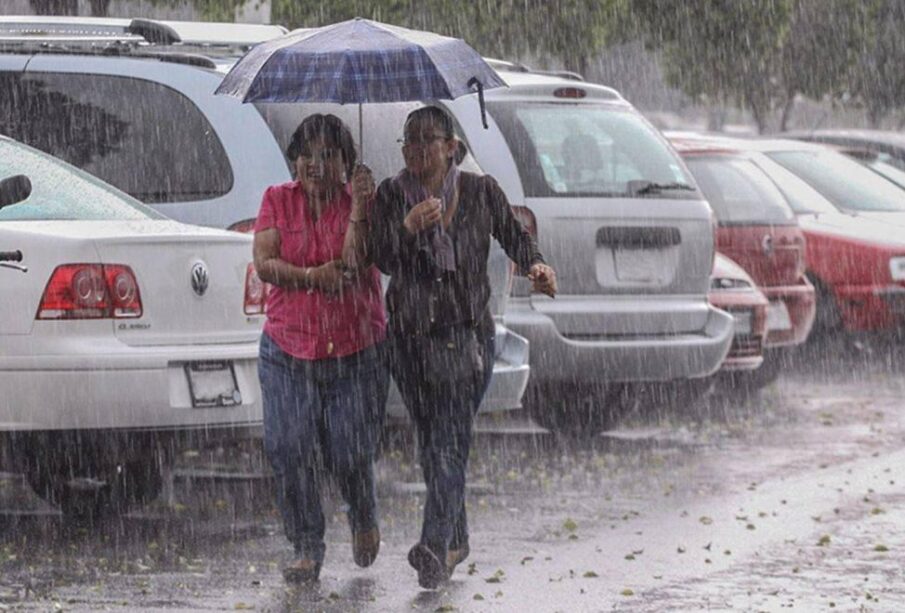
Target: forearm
pixel 283 274
pixel 355 245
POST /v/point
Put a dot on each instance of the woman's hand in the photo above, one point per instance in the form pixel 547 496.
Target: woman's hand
pixel 331 278
pixel 362 191
pixel 423 216
pixel 544 279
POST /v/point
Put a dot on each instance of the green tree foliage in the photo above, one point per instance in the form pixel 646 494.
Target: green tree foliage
pixel 758 54
pixel 877 76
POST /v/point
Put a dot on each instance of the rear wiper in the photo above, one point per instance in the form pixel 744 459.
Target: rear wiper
pixel 650 187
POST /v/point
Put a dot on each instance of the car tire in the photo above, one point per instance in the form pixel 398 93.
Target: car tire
pixel 83 479
pixel 574 412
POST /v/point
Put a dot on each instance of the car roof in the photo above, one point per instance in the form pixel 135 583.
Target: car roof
pixel 543 85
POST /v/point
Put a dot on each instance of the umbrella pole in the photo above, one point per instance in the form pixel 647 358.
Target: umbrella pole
pixel 361 139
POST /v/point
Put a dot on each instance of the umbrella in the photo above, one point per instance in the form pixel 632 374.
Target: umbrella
pixel 360 61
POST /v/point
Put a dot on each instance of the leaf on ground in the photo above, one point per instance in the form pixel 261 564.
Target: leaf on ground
pixel 590 575
pixel 241 606
pixel 881 548
pixel 705 520
pixel 877 511
pixel 570 525
pixel 627 592
pixel 527 559
pixel 472 568
pixel 445 608
pixel 630 556
pixel 477 597
pixel 824 540
pixel 680 549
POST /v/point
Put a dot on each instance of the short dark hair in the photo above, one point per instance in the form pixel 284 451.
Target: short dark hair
pixel 434 115
pixel 334 132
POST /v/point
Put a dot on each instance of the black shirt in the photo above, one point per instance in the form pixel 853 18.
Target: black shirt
pixel 421 300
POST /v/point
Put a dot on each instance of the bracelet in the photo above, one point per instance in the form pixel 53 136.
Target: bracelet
pixel 310 289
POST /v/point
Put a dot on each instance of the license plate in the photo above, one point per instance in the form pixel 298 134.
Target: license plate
pixel 742 322
pixel 778 316
pixel 212 384
pixel 639 265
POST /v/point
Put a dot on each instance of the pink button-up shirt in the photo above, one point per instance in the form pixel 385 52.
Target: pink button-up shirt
pixel 315 325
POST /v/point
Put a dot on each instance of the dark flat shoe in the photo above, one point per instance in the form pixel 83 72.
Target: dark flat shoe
pixel 431 571
pixel 302 571
pixel 365 546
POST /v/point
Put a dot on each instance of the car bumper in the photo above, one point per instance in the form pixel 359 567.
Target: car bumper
pixel 866 308
pixel 800 302
pixel 557 359
pixel 749 311
pixel 507 386
pixel 144 388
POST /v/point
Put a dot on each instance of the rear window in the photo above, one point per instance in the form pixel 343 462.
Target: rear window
pixel 59 191
pixel 585 150
pixel 739 192
pixel 143 137
pixel 844 182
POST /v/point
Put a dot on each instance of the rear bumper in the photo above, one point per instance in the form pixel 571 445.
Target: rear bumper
pixel 144 388
pixel 866 308
pixel 507 386
pixel 801 303
pixel 556 359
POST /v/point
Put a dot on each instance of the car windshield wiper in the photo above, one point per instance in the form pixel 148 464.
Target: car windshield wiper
pixel 651 187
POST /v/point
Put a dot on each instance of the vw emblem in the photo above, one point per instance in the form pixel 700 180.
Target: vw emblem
pixel 200 278
pixel 767 245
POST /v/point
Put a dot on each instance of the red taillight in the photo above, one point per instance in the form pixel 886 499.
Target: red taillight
pixel 525 217
pixel 256 292
pixel 246 226
pixel 91 291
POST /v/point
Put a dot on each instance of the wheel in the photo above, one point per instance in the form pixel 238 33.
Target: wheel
pixel 85 479
pixel 753 380
pixel 576 412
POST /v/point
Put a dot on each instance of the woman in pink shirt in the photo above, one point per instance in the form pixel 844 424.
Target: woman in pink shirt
pixel 323 376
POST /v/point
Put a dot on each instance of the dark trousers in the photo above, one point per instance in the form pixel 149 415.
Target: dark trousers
pixel 322 416
pixel 443 416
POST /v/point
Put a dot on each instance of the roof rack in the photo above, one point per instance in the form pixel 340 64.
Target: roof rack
pixel 519 67
pixel 149 31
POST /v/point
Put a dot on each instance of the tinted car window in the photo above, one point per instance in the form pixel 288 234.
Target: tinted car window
pixel 844 182
pixel 738 191
pixel 584 149
pixel 59 191
pixel 144 138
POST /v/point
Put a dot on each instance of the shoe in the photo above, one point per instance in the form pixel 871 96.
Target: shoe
pixel 454 557
pixel 365 546
pixel 431 571
pixel 302 571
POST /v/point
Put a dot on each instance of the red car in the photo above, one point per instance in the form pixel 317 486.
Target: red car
pixel 758 230
pixel 733 290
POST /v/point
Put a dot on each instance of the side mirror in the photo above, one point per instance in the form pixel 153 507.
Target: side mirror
pixel 14 189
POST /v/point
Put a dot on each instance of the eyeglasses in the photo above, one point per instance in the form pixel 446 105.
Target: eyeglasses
pixel 420 142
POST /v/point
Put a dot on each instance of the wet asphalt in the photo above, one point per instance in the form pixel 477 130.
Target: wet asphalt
pixel 791 499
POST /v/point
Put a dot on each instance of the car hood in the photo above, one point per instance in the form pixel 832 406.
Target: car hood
pixel 864 227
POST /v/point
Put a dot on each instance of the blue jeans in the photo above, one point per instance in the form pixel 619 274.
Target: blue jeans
pixel 443 417
pixel 322 416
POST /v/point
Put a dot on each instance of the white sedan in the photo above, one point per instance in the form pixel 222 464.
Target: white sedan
pixel 118 327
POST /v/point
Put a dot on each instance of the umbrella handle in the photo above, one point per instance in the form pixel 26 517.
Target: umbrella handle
pixel 474 81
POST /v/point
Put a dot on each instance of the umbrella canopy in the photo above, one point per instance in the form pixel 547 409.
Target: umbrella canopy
pixel 359 61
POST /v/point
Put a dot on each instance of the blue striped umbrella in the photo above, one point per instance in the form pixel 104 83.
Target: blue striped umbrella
pixel 357 62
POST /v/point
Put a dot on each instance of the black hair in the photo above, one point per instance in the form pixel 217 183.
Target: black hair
pixel 334 132
pixel 436 116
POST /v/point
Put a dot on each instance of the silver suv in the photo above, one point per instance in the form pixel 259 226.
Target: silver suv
pixel 630 236
pixel 131 101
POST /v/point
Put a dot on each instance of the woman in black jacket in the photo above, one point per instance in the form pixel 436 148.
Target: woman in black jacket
pixel 430 230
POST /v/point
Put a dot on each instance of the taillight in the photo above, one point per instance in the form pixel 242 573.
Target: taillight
pixel 525 217
pixel 91 291
pixel 246 226
pixel 256 292
pixel 569 92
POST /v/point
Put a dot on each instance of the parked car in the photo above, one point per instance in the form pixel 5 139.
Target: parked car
pixel 631 238
pixel 854 223
pixel 119 329
pixel 132 101
pixel 734 291
pixel 888 146
pixel 759 231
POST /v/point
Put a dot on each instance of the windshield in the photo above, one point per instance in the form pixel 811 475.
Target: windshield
pixel 59 191
pixel 739 192
pixel 843 181
pixel 587 150
pixel 881 165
